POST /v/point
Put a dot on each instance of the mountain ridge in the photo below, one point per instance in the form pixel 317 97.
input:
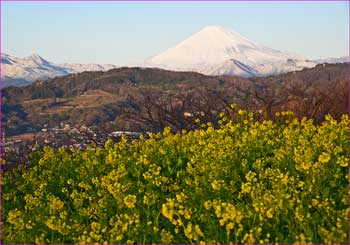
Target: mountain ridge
pixel 214 50
pixel 104 98
pixel 33 67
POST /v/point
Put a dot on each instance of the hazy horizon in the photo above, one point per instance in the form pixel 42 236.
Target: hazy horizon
pixel 121 33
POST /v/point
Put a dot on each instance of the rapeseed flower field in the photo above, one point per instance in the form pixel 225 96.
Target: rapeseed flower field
pixel 247 181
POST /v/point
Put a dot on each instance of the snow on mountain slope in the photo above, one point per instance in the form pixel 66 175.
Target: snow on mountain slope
pixel 33 67
pixel 212 50
pixel 282 67
pixel 76 68
pixel 29 68
pixel 216 44
pixel 343 59
pixel 233 68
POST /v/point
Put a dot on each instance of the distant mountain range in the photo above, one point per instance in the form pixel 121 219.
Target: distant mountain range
pixel 23 71
pixel 344 59
pixel 214 50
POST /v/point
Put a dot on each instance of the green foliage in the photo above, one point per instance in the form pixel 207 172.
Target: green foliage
pixel 246 182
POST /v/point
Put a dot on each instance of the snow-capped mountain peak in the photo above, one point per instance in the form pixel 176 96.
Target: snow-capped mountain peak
pixel 213 48
pixel 34 56
pixel 222 36
pixel 22 71
pixel 36 59
pixel 212 44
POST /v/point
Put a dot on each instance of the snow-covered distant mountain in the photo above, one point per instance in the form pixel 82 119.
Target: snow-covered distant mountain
pixel 343 59
pixel 23 71
pixel 216 50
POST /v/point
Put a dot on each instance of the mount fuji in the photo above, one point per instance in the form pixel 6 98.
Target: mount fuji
pixel 216 50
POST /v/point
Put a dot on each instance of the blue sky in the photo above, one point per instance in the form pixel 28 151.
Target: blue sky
pixel 121 32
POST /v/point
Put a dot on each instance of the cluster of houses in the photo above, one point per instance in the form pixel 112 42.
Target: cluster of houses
pixel 15 152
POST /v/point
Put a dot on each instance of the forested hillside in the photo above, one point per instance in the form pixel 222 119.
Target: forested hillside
pixel 150 99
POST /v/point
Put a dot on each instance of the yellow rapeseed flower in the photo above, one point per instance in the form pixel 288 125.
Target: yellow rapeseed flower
pixel 269 213
pixel 324 157
pixel 130 201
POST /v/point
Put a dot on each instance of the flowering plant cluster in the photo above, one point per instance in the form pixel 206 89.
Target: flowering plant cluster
pixel 248 181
